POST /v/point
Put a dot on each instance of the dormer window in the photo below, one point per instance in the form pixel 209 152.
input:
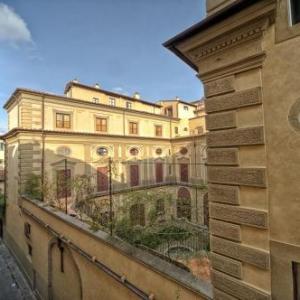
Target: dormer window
pixel 112 101
pixel 95 100
pixel 295 11
pixel 128 105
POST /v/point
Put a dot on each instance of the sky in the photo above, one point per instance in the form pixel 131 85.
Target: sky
pixel 116 43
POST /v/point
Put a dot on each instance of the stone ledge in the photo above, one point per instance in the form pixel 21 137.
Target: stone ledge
pixel 255 177
pixel 237 288
pixel 223 120
pixel 236 137
pixel 225 230
pixel 223 156
pixel 219 295
pixel 240 215
pixel 223 194
pixel 250 255
pixel 237 100
pixel 226 265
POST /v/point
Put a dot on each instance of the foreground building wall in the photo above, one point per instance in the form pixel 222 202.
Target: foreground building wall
pixel 240 54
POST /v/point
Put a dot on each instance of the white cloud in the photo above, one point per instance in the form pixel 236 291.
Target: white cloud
pixel 12 27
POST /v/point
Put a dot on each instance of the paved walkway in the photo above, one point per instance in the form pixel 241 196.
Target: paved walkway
pixel 13 285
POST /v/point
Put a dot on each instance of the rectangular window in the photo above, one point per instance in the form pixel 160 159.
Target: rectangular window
pixel 134 175
pixel 95 100
pixel 295 11
pixel 128 105
pixel 102 179
pixel 112 101
pixel 133 127
pixel 184 172
pixel 1 146
pixel 159 172
pixel 101 124
pixel 63 120
pixel 186 108
pixel 199 130
pixel 63 183
pixel 176 130
pixel 158 130
pixel 27 230
pixel 29 247
pixel 169 111
pixel 296 280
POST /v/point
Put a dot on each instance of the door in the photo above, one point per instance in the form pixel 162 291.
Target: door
pixel 159 172
pixel 102 179
pixel 134 175
pixel 184 172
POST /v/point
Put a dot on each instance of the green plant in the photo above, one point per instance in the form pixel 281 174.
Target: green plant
pixel 33 187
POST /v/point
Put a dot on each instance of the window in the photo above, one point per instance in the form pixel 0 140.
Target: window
pixel 169 111
pixel 101 124
pixel 183 150
pixel 158 151
pixel 63 183
pixel 128 105
pixel 159 172
pixel 1 146
pixel 112 101
pixel 184 172
pixel 137 214
pixel 185 129
pixel 29 247
pixel 160 207
pixel 186 108
pixel 95 100
pixel 199 130
pixel 134 151
pixel 134 175
pixel 176 130
pixel 102 179
pixel 27 230
pixel 295 11
pixel 296 280
pixel 133 127
pixel 63 120
pixel 184 209
pixel 102 151
pixel 158 130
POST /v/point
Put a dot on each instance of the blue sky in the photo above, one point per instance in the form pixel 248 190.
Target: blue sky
pixel 117 43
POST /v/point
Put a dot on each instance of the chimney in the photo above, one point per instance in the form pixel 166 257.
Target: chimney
pixel 137 95
pixel 75 80
pixel 97 85
pixel 177 98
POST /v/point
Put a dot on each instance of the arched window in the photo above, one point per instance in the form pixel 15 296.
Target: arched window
pixel 137 214
pixel 184 209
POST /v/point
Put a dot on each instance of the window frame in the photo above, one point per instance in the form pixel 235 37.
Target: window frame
pixel 130 128
pixel 112 101
pixel 105 126
pixel 158 133
pixel 63 115
pixel 128 105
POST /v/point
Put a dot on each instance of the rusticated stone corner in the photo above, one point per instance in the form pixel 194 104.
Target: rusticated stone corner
pixel 236 137
pixel 223 120
pixel 223 156
pixel 237 100
pixel 225 230
pixel 219 86
pixel 240 215
pixel 226 265
pixel 223 194
pixel 237 288
pixel 237 176
pixel 250 255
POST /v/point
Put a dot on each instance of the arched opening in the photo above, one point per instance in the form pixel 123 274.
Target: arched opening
pixel 184 209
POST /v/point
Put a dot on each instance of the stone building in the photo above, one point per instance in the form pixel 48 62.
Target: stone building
pixel 247 55
pixel 56 137
pixel 1 167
